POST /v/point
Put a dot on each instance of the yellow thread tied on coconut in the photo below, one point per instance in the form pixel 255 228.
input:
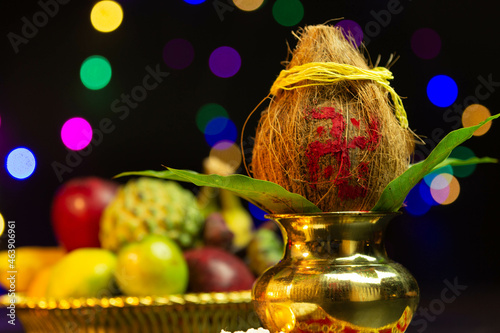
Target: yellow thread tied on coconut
pixel 323 73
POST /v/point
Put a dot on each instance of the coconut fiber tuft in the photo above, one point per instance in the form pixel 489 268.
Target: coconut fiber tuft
pixel 337 142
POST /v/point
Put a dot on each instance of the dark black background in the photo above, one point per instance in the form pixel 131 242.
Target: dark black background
pixel 40 89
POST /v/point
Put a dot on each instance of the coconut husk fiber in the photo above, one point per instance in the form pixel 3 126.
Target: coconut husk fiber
pixel 337 144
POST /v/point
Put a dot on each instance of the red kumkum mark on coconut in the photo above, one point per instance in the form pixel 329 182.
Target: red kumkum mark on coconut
pixel 373 134
pixel 328 172
pixel 355 122
pixel 338 147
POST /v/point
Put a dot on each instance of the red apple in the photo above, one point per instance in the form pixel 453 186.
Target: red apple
pixel 76 210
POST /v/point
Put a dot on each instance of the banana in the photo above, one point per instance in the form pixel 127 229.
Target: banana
pixel 237 218
pixel 26 262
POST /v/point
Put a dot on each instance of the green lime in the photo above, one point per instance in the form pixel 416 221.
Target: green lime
pixel 153 266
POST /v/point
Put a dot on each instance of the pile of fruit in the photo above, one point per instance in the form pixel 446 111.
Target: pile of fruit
pixel 147 237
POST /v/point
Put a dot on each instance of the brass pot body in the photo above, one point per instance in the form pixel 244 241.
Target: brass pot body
pixel 335 276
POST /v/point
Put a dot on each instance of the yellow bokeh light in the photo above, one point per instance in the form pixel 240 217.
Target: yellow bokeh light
pixel 231 156
pixel 106 16
pixel 248 5
pixel 473 115
pixel 2 224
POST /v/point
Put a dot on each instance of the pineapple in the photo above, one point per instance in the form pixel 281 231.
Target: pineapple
pixel 146 206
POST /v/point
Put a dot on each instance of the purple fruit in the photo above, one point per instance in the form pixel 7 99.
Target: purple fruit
pixel 212 269
pixel 216 232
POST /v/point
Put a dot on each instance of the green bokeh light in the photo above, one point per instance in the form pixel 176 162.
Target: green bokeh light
pixel 288 12
pixel 463 153
pixel 430 177
pixel 208 112
pixel 95 72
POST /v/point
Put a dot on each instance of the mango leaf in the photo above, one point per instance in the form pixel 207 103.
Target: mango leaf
pixel 396 191
pixel 268 196
pixel 451 161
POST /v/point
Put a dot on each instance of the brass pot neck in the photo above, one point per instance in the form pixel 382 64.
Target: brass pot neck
pixel 343 238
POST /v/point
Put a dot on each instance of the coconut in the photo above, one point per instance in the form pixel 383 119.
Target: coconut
pixel 336 143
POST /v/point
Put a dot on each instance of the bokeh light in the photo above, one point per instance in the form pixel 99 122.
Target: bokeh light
pixel 442 90
pixel 352 31
pixel 440 187
pixel 220 129
pixel 95 72
pixel 208 112
pixel 216 125
pixel 426 195
pixel 445 189
pixel 76 133
pixel 224 61
pixel 463 153
pixel 106 16
pixel 227 152
pixel 2 224
pixel 178 53
pixel 429 177
pixel 20 163
pixel 426 43
pixel 453 191
pixel 248 5
pixel 473 115
pixel 194 2
pixel 256 212
pixel 415 204
pixel 288 12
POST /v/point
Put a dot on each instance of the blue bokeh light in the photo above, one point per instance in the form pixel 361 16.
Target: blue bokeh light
pixel 426 195
pixel 220 129
pixel 216 125
pixel 194 2
pixel 415 204
pixel 256 212
pixel 20 163
pixel 442 91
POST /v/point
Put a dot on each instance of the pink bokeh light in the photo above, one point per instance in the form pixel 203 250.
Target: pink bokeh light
pixel 76 133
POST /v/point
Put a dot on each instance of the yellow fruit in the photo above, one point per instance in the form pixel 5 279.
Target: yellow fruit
pixel 153 266
pixel 27 262
pixel 40 282
pixel 84 272
pixel 237 218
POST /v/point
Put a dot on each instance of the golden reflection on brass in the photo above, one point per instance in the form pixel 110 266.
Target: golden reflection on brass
pixel 335 276
pixel 201 313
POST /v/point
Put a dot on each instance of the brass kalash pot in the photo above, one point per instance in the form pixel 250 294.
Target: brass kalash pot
pixel 335 276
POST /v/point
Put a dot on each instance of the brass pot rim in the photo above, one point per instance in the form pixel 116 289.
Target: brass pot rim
pixel 326 214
